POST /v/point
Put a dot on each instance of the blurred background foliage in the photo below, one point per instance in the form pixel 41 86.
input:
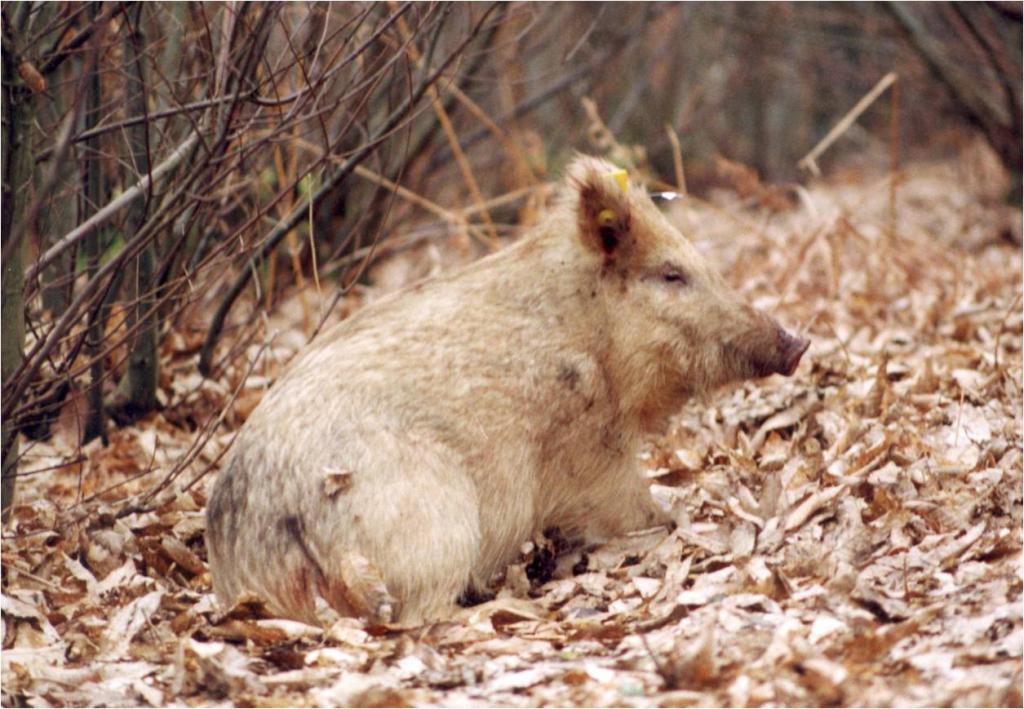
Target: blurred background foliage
pixel 171 169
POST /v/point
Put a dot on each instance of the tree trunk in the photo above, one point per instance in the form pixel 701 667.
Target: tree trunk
pixel 17 123
pixel 136 393
pixel 95 420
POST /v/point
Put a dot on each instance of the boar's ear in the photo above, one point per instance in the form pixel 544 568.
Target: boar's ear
pixel 603 213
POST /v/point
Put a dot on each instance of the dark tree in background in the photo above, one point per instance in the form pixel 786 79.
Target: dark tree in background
pixel 980 70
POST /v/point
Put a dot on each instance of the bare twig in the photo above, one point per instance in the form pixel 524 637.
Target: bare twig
pixel 677 158
pixel 809 161
pixel 104 215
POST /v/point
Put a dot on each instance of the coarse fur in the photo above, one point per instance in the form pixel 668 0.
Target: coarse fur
pixel 465 414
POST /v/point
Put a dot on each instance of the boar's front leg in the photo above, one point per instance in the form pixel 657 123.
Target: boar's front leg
pixel 623 503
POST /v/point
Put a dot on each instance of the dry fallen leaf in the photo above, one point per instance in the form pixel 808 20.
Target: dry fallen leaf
pixel 849 536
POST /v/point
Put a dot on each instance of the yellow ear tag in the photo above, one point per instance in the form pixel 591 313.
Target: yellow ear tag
pixel 606 217
pixel 622 177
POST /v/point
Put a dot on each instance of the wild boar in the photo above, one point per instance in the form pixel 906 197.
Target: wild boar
pixel 436 430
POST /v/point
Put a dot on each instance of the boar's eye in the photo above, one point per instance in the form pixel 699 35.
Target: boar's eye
pixel 674 275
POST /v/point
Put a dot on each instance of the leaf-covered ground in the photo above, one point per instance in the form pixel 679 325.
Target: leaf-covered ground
pixel 850 536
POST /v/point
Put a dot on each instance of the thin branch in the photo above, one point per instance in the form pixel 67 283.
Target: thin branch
pixel 809 161
pixel 57 57
pixel 102 216
pixel 157 115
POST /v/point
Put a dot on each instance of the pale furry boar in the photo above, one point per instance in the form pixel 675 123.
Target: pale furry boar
pixel 436 430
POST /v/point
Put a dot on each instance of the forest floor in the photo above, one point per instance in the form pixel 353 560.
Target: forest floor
pixel 847 536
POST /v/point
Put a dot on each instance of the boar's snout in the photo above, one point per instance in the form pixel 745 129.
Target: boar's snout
pixel 791 349
pixel 771 350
